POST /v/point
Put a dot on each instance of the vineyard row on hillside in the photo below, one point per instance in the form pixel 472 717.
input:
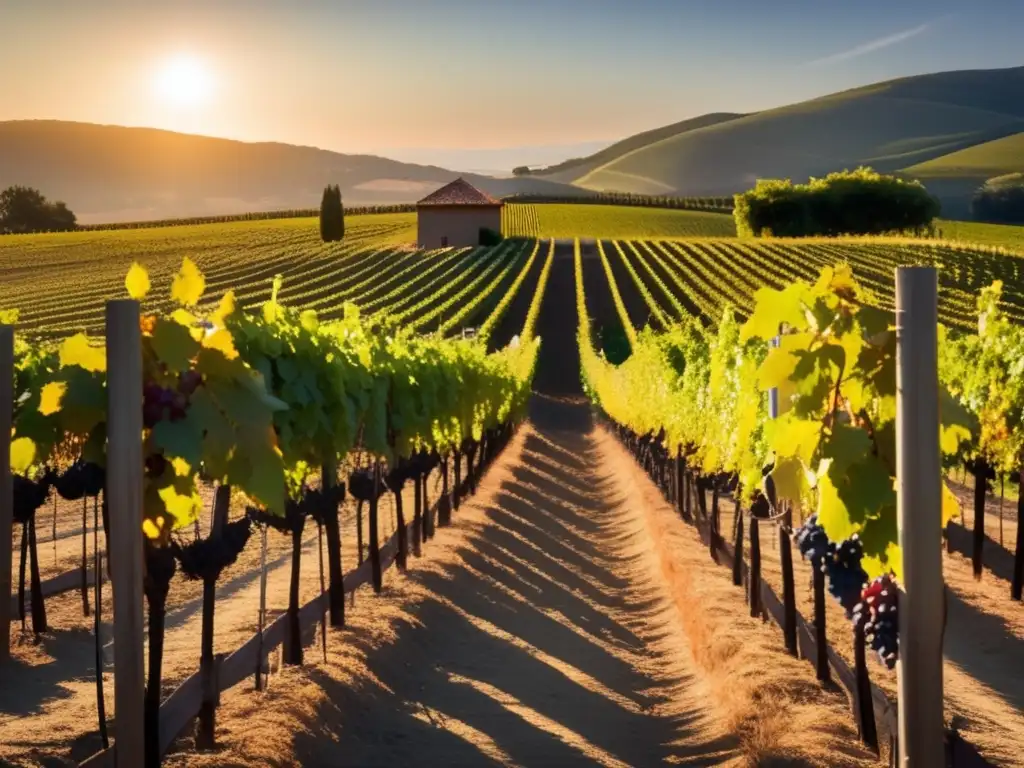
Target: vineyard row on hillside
pixel 290 213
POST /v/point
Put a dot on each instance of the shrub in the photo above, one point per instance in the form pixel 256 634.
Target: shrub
pixel 1000 200
pixel 860 202
pixel 489 236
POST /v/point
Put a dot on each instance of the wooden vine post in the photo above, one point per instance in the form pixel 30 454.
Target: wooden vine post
pixel 820 637
pixel 206 731
pixel 336 594
pixel 6 485
pixel 919 499
pixel 1017 584
pixel 788 592
pixel 124 491
pixel 754 582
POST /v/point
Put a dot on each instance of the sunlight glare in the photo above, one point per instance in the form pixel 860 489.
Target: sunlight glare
pixel 184 81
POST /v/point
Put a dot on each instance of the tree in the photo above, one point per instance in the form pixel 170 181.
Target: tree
pixel 332 215
pixel 521 170
pixel 23 210
pixel 860 202
pixel 1000 200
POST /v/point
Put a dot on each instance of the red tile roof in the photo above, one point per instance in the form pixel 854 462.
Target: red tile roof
pixel 459 192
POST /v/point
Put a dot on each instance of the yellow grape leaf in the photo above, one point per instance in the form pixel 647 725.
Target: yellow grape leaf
pixel 950 505
pixel 833 515
pixel 777 368
pixel 308 320
pixel 223 342
pixel 225 309
pixel 773 308
pixel 77 351
pixel 188 285
pixel 796 437
pixel 152 528
pixel 789 478
pixel 137 281
pixel 52 394
pixel 182 507
pixel 181 467
pixel 23 453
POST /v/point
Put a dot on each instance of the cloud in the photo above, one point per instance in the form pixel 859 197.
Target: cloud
pixel 872 45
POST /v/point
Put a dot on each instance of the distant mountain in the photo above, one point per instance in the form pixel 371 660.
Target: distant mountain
pixel 112 173
pixel 899 124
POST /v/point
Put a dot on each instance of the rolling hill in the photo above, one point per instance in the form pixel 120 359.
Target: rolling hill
pixel 982 161
pixel 899 124
pixel 571 170
pixel 112 173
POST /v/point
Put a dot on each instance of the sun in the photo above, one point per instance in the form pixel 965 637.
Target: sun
pixel 184 81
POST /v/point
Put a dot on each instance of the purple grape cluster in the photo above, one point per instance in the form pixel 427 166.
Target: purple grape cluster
pixel 840 562
pixel 160 403
pixel 846 578
pixel 812 541
pixel 878 613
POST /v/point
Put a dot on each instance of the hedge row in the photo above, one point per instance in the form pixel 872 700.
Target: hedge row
pixel 860 202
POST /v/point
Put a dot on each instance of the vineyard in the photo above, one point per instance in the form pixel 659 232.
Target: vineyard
pixel 313 414
pixel 611 221
pixel 714 412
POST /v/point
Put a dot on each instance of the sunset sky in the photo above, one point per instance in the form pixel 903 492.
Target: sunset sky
pixel 415 79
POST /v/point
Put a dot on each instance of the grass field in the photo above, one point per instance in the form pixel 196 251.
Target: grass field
pixel 999 235
pixel 612 221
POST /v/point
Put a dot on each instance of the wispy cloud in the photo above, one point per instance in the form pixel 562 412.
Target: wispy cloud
pixel 872 45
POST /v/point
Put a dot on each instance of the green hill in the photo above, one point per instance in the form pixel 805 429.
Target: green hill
pixel 571 170
pixel 982 161
pixel 113 173
pixel 891 126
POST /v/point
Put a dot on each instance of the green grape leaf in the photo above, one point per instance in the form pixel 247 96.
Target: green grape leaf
pixel 846 445
pixel 880 537
pixel 174 345
pixel 84 404
pixel 182 439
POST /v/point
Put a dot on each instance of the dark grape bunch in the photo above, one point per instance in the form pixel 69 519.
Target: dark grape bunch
pixel 812 541
pixel 159 403
pixel 841 563
pixel 845 576
pixel 878 613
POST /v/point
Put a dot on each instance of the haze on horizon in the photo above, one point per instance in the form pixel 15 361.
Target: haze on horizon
pixel 468 84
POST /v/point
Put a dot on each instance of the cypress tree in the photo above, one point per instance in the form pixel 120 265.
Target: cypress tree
pixel 332 222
